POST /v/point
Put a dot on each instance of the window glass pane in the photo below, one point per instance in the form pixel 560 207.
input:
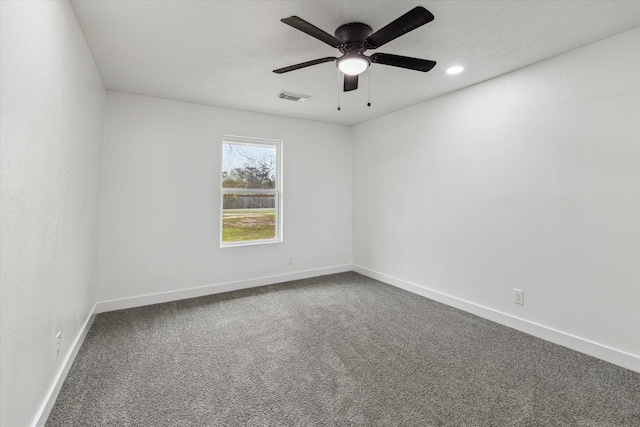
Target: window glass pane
pixel 248 217
pixel 248 166
pixel 251 191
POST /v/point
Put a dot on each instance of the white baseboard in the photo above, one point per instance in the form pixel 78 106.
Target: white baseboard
pixel 600 351
pixel 138 301
pixel 52 393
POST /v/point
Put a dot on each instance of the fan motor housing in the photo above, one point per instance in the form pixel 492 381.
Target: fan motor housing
pixel 353 35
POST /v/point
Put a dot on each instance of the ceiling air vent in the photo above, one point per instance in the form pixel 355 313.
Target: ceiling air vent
pixel 293 96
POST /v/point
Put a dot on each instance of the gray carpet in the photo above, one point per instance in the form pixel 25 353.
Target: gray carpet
pixel 338 350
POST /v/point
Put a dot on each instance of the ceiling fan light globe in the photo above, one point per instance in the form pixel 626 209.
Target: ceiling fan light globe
pixel 353 66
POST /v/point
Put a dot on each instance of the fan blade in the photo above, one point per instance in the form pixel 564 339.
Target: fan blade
pixel 312 30
pixel 304 64
pixel 403 61
pixel 350 82
pixel 411 20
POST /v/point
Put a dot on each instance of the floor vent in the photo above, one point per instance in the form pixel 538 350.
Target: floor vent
pixel 293 96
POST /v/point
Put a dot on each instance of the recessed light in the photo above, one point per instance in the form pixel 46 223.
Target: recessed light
pixel 455 70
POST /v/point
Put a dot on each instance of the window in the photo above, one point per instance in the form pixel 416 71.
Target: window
pixel 251 191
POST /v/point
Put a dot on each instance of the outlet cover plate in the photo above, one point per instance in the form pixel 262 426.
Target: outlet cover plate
pixel 518 296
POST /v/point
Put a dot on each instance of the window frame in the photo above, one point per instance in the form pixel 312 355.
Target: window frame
pixel 277 191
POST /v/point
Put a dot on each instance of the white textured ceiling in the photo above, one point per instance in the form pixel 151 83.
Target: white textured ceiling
pixel 222 53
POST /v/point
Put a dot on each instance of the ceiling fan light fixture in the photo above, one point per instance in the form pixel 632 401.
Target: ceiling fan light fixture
pixel 354 38
pixel 353 65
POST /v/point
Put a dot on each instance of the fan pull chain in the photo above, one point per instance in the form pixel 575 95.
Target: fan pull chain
pixel 368 88
pixel 338 90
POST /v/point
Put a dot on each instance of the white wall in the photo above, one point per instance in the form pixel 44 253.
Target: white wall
pixel 52 110
pixel 160 207
pixel 530 180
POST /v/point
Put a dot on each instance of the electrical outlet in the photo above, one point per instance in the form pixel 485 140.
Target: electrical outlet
pixel 58 341
pixel 518 296
pixel 289 260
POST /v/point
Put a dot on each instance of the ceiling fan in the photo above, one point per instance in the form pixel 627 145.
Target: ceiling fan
pixel 354 38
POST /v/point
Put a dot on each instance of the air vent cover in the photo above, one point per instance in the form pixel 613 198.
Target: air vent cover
pixel 293 96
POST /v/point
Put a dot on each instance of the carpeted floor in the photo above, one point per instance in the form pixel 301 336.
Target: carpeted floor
pixel 338 350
